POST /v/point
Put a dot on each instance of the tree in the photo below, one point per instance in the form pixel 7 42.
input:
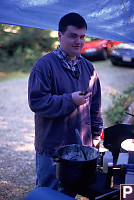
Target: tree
pixel 21 46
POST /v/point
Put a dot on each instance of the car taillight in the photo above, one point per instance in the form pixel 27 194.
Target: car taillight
pixel 102 134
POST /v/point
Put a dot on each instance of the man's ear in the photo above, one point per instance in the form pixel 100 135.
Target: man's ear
pixel 59 35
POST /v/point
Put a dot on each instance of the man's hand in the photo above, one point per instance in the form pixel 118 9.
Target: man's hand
pixel 80 99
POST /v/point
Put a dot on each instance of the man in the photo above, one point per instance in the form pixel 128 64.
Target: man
pixel 56 83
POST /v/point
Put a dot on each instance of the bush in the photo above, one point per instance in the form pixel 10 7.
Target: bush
pixel 21 47
pixel 121 102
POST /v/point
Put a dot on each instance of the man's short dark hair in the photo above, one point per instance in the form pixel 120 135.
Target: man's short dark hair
pixel 72 19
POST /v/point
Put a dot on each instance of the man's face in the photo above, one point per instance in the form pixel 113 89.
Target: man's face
pixel 72 40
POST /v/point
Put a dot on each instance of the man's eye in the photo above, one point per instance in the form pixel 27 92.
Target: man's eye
pixel 82 37
pixel 73 36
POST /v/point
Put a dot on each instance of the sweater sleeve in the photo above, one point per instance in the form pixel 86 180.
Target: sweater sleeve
pixel 96 113
pixel 42 101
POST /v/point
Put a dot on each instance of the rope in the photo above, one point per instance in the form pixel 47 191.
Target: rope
pixel 127 15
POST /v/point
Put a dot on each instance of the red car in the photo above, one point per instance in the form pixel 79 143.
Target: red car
pixel 98 49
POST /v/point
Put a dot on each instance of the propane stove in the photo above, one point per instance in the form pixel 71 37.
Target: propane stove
pixel 113 138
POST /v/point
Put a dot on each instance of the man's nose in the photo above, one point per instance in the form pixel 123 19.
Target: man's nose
pixel 78 40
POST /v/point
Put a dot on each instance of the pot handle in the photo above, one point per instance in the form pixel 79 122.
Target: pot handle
pixel 55 158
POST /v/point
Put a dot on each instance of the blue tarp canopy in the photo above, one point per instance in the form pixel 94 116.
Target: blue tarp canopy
pixel 106 19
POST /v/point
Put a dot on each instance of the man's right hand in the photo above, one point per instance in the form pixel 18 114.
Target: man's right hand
pixel 80 99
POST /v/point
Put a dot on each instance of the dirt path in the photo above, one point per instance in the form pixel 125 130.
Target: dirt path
pixel 17 155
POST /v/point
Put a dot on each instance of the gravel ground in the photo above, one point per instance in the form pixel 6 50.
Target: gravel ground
pixel 17 155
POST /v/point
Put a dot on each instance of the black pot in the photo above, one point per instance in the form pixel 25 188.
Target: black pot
pixel 72 170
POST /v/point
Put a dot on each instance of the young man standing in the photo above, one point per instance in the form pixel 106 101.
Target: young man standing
pixel 56 83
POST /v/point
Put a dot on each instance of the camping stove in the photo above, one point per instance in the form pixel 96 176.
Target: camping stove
pixel 113 138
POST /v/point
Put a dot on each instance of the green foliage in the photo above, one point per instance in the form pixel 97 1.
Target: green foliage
pixel 121 102
pixel 21 47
